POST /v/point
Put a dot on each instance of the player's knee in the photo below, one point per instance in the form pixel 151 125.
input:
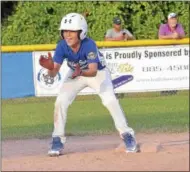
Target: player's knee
pixel 62 101
pixel 107 99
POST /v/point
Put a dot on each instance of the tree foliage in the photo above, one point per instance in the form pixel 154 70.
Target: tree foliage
pixel 38 22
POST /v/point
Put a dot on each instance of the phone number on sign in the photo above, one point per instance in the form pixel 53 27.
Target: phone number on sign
pixel 169 68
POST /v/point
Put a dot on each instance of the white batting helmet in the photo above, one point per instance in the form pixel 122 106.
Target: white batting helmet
pixel 75 22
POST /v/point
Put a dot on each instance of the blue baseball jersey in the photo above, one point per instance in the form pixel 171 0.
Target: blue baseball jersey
pixel 87 53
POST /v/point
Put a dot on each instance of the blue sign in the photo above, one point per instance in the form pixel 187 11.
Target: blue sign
pixel 17 75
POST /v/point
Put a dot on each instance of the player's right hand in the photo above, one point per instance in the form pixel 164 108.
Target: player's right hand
pixel 46 61
pixel 77 72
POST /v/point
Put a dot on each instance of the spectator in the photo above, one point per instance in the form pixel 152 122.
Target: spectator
pixel 172 29
pixel 117 33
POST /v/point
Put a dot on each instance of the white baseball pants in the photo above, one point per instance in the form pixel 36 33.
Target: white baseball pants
pixel 102 85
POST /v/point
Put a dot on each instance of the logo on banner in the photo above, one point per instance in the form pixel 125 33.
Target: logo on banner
pixel 116 68
pixel 121 80
pixel 124 68
pixel 47 81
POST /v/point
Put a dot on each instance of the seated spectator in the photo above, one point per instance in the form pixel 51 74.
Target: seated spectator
pixel 117 33
pixel 172 29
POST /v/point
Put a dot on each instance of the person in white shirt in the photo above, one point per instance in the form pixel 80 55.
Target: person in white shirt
pixel 117 33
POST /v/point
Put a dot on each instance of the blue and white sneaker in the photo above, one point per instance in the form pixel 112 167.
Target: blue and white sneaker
pixel 130 142
pixel 57 147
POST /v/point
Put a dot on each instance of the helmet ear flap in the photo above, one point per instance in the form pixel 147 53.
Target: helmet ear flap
pixel 62 34
pixel 79 33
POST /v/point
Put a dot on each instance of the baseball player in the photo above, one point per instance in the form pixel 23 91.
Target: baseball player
pixel 87 69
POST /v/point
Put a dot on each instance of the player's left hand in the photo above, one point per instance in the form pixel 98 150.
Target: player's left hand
pixel 77 72
pixel 46 61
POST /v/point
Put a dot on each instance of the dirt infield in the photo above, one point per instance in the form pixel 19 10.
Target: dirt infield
pixel 98 153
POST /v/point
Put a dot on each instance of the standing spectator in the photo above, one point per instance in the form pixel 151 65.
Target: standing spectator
pixel 172 29
pixel 117 33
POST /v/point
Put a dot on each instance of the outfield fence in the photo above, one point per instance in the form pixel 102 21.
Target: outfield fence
pixel 155 65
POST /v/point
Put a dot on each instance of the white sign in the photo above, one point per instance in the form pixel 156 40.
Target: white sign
pixel 153 69
pixel 44 84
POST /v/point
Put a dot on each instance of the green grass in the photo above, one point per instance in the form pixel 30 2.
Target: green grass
pixel 33 117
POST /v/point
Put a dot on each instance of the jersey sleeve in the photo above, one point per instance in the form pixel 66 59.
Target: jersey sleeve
pixel 59 53
pixel 161 31
pixel 108 33
pixel 181 30
pixel 128 33
pixel 91 52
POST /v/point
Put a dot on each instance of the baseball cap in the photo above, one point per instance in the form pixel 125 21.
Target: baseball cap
pixel 117 20
pixel 172 15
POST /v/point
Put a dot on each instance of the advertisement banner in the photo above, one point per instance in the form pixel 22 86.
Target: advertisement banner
pixel 153 68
